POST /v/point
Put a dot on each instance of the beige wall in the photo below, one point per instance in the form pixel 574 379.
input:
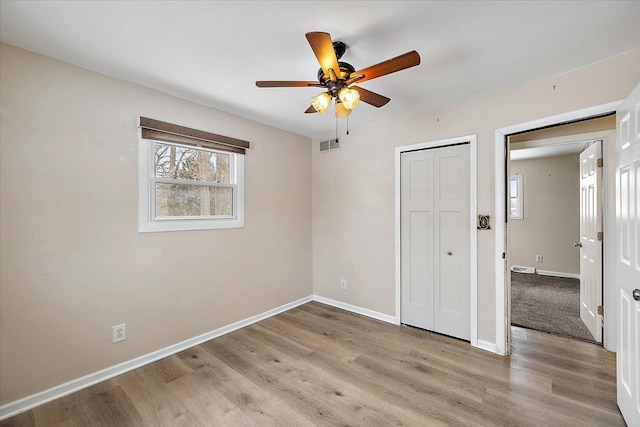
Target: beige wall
pixel 551 220
pixel 353 188
pixel 73 263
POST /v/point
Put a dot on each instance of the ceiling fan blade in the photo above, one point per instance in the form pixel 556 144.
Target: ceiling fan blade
pixel 286 83
pixel 371 98
pixel 310 110
pixel 323 49
pixel 402 62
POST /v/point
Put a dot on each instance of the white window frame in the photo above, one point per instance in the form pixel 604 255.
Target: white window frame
pixel 519 197
pixel 147 223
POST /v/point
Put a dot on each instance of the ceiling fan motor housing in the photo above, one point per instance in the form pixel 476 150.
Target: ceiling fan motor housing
pixel 346 70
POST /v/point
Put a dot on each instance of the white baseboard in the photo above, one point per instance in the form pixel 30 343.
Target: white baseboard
pixel 358 310
pixel 522 269
pixel 30 402
pixel 487 346
pixel 558 274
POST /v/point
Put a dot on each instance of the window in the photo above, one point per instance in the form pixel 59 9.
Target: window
pixel 188 185
pixel 515 197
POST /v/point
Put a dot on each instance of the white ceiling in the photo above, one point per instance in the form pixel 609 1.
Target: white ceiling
pixel 212 52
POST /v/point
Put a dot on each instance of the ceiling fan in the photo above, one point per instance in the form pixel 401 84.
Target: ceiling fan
pixel 338 77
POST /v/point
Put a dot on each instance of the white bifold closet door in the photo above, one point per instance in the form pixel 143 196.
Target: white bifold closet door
pixel 434 235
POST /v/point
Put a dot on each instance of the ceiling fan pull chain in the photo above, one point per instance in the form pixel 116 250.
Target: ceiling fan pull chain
pixel 347 125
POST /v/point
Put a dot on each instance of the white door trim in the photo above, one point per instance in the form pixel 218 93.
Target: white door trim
pixel 502 329
pixel 473 238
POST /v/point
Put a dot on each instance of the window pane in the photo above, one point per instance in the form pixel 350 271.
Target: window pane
pixel 177 162
pixel 174 200
pixel 514 187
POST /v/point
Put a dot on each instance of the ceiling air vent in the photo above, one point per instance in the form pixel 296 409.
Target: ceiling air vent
pixel 329 145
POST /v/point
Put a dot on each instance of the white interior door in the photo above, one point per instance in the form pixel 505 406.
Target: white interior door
pixel 628 256
pixel 590 240
pixel 434 224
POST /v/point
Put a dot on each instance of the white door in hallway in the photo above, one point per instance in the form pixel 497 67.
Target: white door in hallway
pixel 590 242
pixel 434 224
pixel 627 268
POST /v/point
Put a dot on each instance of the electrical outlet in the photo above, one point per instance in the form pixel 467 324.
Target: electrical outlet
pixel 343 284
pixel 538 258
pixel 119 333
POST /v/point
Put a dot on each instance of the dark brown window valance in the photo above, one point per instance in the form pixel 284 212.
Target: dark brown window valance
pixel 167 132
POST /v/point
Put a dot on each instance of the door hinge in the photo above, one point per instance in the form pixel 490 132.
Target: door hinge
pixel 600 162
pixel 600 236
pixel 504 255
pixel 600 310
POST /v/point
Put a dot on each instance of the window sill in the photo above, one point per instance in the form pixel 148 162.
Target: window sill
pixel 191 224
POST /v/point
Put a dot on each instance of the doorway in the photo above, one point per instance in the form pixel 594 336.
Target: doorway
pixel 556 284
pixel 503 304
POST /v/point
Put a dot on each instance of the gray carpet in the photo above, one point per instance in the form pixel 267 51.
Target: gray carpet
pixel 548 304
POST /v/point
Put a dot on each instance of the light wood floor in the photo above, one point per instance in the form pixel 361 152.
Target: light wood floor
pixel 318 365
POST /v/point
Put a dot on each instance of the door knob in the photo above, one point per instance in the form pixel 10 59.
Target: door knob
pixel 636 294
pixel 577 244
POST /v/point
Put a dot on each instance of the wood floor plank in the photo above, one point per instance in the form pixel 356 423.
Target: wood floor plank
pixel 275 375
pixel 161 408
pixel 369 409
pixel 236 390
pixel 395 393
pixel 206 403
pixel 317 365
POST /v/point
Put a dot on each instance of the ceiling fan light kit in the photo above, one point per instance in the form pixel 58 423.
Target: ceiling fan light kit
pixel 337 77
pixel 321 102
pixel 341 110
pixel 349 98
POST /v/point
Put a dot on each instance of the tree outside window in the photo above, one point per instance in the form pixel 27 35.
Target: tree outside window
pixel 192 182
